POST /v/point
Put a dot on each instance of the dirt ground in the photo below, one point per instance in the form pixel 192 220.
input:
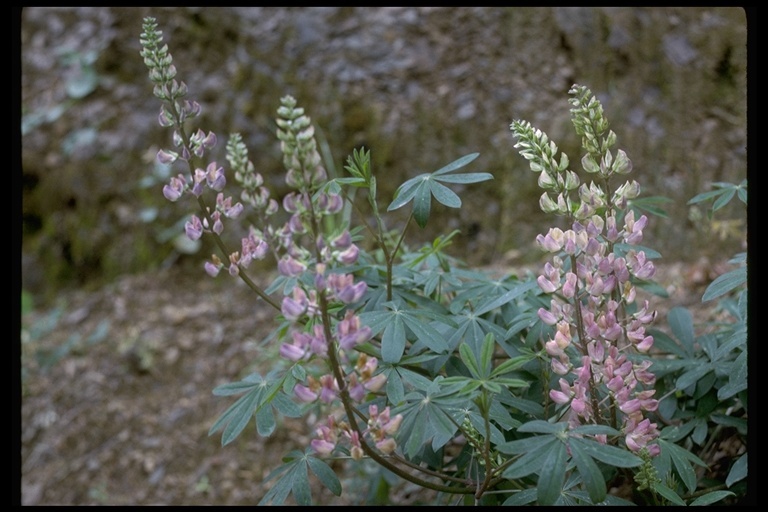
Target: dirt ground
pixel 120 414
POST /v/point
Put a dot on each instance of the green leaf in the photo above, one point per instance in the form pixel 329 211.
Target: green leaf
pixel 236 417
pixel 738 471
pixel 552 475
pixel 510 365
pixel 469 177
pixel 407 191
pixel 533 460
pixel 393 341
pixel 302 492
pixel 486 355
pixel 282 486
pixel 723 200
pixel 710 498
pixel 509 296
pixel 543 427
pixel 590 473
pixel 421 205
pixel 461 162
pixel 681 458
pixel 265 421
pixel 521 498
pixel 469 360
pixel 681 322
pixel 725 283
pixel 737 379
pixel 692 376
pixel 444 195
pixel 325 474
pixel 669 494
pixel 425 332
pixel 608 454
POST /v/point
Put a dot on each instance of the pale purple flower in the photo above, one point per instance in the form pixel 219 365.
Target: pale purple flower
pixel 290 267
pixel 199 178
pixel 322 446
pixel 569 287
pixel 215 177
pixel 329 390
pixel 212 269
pixel 218 226
pixel 639 436
pixel 175 188
pixel 546 316
pixel 349 255
pixel 559 397
pixel 375 383
pixel 546 285
pixel 194 228
pixel 167 157
pixel 292 352
pixel 352 293
pixel 252 248
pixel 356 390
pixel 164 118
pixel 304 394
pixel 553 241
pixel 293 308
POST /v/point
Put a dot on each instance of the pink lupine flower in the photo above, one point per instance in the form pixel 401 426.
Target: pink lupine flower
pixel 569 287
pixel 304 394
pixel 547 317
pixel 329 390
pixel 559 397
pixel 546 285
pixel 559 367
pixel 553 241
pixel 356 389
pixel 375 383
pixel 292 352
pixel 386 445
pixel 639 436
pixel 322 446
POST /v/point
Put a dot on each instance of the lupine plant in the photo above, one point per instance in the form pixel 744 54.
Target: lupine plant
pixel 491 389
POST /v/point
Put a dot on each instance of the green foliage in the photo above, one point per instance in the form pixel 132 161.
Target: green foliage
pixel 445 376
pixel 424 187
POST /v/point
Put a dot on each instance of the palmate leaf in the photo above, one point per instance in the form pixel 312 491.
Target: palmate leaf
pixel 681 459
pixel 294 479
pixel 552 475
pixel 725 283
pixel 430 414
pixel 423 187
pixel 261 394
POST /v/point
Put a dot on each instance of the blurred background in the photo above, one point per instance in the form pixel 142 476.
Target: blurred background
pixel 122 343
pixel 418 86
